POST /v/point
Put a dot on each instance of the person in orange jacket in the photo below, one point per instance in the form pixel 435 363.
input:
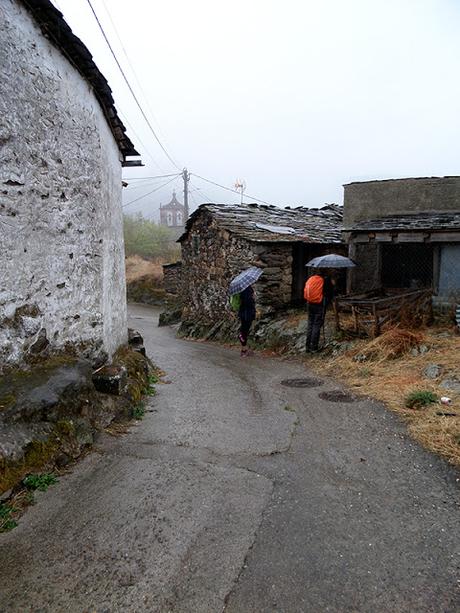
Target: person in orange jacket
pixel 319 293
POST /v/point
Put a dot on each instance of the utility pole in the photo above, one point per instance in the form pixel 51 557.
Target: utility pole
pixel 186 178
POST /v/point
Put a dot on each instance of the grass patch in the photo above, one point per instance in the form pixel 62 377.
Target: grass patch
pixel 419 399
pixel 289 409
pixel 150 391
pixel 39 482
pixel 139 411
pixel 7 521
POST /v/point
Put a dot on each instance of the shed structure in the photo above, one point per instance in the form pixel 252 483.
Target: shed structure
pixel 221 240
pixel 405 234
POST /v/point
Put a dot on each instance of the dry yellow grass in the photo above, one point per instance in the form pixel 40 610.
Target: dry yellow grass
pixel 389 378
pixel 137 267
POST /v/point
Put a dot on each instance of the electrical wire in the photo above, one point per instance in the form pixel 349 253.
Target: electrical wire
pixel 193 198
pixel 175 174
pixel 138 186
pixel 148 194
pixel 139 85
pixel 130 88
pixel 138 139
pixel 209 200
pixel 229 189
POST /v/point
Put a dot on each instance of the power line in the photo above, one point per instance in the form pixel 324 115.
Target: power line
pixel 138 139
pixel 175 174
pixel 210 200
pixel 139 85
pixel 148 194
pixel 138 186
pixel 193 198
pixel 230 190
pixel 143 184
pixel 130 88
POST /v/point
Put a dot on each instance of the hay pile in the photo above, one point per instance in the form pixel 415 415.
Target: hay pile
pixel 392 344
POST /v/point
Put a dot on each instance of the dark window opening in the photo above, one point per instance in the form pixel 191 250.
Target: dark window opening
pixel 303 253
pixel 196 245
pixel 407 266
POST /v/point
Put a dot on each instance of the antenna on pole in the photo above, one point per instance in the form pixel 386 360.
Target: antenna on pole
pixel 240 186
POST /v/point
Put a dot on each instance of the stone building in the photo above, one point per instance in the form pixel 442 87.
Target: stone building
pixel 221 240
pixel 62 148
pixel 173 216
pixel 172 279
pixel 405 233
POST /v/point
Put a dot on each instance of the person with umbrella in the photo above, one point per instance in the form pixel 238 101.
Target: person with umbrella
pixel 242 286
pixel 319 292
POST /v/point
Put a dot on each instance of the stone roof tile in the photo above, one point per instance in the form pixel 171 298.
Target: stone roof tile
pixel 264 223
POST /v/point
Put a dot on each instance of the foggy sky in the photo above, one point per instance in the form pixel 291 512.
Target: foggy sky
pixel 296 97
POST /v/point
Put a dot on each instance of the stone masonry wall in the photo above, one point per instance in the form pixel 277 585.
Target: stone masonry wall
pixel 61 258
pixel 211 257
pixel 374 199
pixel 172 278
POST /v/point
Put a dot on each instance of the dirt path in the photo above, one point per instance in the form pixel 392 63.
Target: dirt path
pixel 238 494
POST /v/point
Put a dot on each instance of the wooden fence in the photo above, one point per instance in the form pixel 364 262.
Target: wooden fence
pixel 372 310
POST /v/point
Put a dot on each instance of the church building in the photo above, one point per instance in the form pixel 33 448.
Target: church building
pixel 172 215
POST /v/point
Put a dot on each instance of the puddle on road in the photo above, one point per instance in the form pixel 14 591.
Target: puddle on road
pixel 306 382
pixel 337 396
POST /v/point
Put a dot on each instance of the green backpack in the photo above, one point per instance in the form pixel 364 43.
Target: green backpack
pixel 235 302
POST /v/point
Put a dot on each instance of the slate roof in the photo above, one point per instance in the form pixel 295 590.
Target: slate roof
pixel 430 221
pixel 58 32
pixel 263 223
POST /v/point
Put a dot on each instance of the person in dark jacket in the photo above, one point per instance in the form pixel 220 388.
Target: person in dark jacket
pixel 317 313
pixel 246 314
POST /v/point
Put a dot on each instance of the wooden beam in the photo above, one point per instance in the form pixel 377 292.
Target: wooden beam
pixel 383 237
pixel 411 237
pixel 444 237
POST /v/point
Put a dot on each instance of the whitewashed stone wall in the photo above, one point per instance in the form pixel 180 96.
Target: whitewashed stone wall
pixel 61 242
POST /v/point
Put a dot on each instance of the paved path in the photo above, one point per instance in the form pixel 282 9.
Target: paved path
pixel 238 494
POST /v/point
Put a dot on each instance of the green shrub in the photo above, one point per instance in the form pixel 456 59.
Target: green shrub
pixel 39 482
pixel 147 239
pixel 139 411
pixel 419 399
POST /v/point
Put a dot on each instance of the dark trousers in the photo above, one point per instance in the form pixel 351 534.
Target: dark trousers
pixel 244 331
pixel 315 323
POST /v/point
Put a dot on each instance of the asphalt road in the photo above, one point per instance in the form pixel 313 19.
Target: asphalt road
pixel 238 494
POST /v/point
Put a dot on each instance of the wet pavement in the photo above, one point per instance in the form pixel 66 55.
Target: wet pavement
pixel 238 493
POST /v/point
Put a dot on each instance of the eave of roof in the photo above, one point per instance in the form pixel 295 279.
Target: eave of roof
pixel 56 29
pixel 401 180
pixel 252 222
pixel 431 221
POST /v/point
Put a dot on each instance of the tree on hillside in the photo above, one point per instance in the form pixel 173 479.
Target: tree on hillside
pixel 149 240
